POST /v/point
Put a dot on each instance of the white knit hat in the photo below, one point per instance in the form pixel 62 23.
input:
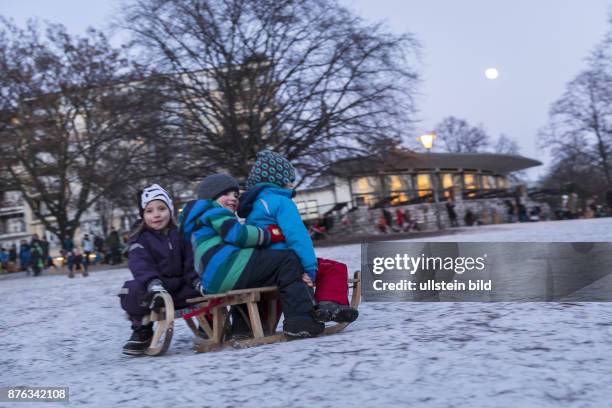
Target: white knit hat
pixel 155 192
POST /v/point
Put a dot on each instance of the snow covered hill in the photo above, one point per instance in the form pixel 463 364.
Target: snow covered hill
pixel 69 332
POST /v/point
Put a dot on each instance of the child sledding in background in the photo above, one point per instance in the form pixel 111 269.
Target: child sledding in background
pixel 76 263
pixel 268 201
pixel 160 261
pixel 229 255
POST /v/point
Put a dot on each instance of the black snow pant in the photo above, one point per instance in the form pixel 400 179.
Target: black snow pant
pixel 269 267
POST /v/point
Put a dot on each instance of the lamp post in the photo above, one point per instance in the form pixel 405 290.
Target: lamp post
pixel 427 142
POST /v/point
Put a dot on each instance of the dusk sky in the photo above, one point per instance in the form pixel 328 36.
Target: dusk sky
pixel 537 47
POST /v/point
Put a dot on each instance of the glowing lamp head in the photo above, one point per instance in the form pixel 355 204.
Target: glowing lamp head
pixel 427 140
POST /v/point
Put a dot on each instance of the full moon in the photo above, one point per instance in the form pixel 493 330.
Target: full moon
pixel 491 73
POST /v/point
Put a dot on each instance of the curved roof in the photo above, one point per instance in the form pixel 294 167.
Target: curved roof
pixel 407 160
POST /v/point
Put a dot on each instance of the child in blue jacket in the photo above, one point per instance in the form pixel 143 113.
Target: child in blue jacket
pixel 268 201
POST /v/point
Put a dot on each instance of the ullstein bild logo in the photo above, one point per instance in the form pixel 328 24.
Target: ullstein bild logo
pixel 500 271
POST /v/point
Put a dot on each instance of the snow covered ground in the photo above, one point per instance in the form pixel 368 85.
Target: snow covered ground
pixel 69 332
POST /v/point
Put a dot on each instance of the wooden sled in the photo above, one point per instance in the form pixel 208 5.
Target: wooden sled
pixel 163 326
pixel 263 328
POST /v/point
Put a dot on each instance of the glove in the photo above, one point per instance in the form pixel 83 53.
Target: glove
pixel 197 285
pixel 276 235
pixel 149 300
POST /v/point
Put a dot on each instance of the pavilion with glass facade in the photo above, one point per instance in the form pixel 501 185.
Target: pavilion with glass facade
pixel 403 177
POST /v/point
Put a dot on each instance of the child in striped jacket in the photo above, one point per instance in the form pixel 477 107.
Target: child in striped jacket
pixel 229 255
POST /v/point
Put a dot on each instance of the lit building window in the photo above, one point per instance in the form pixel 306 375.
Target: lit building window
pixel 402 182
pixel 423 184
pixel 365 185
pixel 398 187
pixel 485 182
pixel 469 181
pixel 447 180
pixel 488 182
pixel 366 190
pixel 501 182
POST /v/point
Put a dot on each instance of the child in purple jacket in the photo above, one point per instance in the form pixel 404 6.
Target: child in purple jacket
pixel 160 261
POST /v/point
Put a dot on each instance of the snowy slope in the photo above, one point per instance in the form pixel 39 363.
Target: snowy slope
pixel 61 332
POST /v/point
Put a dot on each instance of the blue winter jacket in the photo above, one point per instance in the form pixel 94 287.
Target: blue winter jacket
pixel 266 204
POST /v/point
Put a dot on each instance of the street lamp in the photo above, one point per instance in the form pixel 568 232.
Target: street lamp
pixel 427 142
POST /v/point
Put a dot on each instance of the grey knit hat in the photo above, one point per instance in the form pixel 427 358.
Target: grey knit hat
pixel 216 185
pixel 271 167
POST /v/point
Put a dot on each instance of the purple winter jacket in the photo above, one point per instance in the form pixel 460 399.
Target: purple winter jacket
pixel 162 255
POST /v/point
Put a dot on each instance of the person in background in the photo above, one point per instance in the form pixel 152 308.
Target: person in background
pixel 452 214
pixel 99 247
pixel 76 264
pixel 37 256
pixel 381 224
pixel 3 260
pixel 24 256
pixel 113 243
pixel 48 260
pixel 87 244
pixel 469 218
pixel 67 245
pixel 400 217
pixel 12 253
pixel 34 239
pixel 388 218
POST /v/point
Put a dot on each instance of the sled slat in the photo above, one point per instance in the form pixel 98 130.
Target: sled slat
pixel 162 335
pixel 232 293
pixel 205 326
pixel 275 338
pixel 218 324
pixel 255 320
pixel 190 323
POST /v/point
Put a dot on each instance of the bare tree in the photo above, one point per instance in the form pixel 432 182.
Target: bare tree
pixel 581 121
pixel 75 125
pixel 458 136
pixel 303 77
pixel 506 145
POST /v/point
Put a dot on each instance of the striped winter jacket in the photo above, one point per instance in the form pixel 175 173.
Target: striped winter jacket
pixel 222 246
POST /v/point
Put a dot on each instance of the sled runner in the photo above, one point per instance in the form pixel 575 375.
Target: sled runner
pixel 213 331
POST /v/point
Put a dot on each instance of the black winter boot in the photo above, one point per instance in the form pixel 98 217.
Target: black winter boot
pixel 302 326
pixel 140 340
pixel 334 312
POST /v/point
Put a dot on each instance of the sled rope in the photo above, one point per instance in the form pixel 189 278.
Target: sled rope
pixel 205 309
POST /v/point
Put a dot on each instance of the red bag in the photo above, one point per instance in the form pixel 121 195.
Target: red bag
pixel 332 282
